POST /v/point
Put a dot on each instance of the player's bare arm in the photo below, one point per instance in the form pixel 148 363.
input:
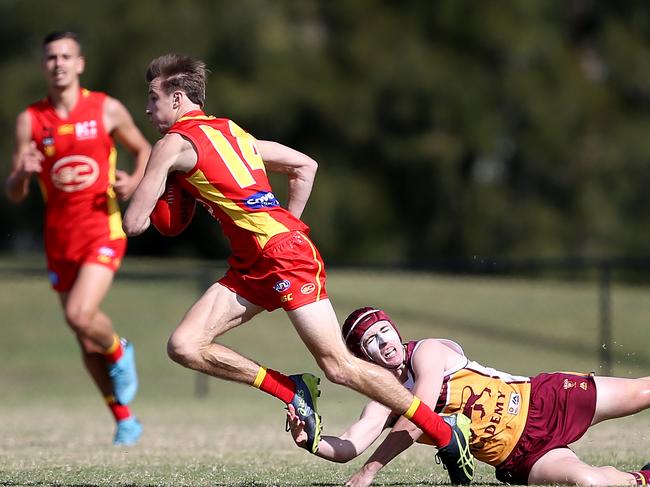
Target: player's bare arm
pixel 120 125
pixel 26 160
pixel 171 153
pixel 299 168
pixel 429 363
pixel 353 442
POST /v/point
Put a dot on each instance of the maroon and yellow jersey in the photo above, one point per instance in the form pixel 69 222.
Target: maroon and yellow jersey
pixel 496 402
pixel 230 180
pixel 77 176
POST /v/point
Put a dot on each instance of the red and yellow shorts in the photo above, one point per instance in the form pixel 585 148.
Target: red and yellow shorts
pixel 63 272
pixel 561 409
pixel 289 274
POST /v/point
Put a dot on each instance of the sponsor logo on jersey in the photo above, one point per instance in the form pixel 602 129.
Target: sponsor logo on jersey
pixel 86 130
pixel 66 129
pixel 106 251
pixel 48 142
pixel 568 384
pixel 74 173
pixel 308 288
pixel 106 255
pixel 281 286
pixel 261 199
pixel 514 403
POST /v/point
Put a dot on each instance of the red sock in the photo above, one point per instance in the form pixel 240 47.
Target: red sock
pixel 276 384
pixel 119 411
pixel 642 477
pixel 429 422
pixel 115 351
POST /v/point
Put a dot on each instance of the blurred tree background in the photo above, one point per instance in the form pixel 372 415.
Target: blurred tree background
pixel 443 129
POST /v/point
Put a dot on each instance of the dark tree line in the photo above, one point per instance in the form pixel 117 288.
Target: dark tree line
pixel 443 129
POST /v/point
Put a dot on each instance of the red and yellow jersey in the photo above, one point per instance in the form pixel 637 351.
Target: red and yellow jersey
pixel 496 402
pixel 77 175
pixel 230 180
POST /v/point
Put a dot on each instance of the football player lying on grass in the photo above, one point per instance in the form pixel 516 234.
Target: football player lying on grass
pixel 522 426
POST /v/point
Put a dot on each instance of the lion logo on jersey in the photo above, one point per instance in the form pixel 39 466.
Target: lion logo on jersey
pixel 74 173
pixel 471 402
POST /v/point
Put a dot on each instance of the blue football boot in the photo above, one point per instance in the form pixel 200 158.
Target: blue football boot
pixel 128 432
pixel 124 376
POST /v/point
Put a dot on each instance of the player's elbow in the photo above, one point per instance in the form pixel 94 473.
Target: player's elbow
pixel 346 452
pixel 132 227
pixel 309 168
pixel 15 193
pixel 14 197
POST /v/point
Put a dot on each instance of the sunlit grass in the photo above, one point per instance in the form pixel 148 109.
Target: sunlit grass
pixel 55 430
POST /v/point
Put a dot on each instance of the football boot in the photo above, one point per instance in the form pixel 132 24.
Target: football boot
pixel 304 402
pixel 456 457
pixel 124 376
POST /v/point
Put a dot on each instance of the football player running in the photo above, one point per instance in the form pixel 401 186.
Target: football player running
pixel 66 141
pixel 522 426
pixel 273 263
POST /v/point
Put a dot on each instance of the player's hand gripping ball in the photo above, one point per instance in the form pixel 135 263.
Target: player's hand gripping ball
pixel 174 209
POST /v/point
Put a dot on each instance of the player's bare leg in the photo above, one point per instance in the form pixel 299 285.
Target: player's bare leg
pixel 81 309
pixel 562 466
pixel 220 310
pixel 95 334
pixel 81 305
pixel 95 364
pixel 618 397
pixel 191 343
pixel 192 346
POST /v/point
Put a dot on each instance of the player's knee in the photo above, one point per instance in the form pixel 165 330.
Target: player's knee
pixel 338 371
pixel 79 318
pixel 179 350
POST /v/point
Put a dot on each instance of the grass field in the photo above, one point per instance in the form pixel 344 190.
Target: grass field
pixel 54 429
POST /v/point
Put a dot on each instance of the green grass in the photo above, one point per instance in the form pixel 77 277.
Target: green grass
pixel 54 429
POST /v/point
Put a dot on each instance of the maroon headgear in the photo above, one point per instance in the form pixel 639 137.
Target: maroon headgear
pixel 357 323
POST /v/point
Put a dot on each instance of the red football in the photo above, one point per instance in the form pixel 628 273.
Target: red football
pixel 174 209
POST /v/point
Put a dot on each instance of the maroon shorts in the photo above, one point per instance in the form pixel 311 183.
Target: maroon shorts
pixel 289 274
pixel 561 409
pixel 63 272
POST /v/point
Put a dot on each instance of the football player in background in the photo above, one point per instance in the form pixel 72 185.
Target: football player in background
pixel 520 425
pixel 66 141
pixel 273 263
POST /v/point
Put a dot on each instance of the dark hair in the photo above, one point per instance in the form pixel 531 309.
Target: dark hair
pixel 61 34
pixel 180 72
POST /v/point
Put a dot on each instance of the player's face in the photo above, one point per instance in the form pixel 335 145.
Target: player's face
pixel 382 343
pixel 160 107
pixel 62 63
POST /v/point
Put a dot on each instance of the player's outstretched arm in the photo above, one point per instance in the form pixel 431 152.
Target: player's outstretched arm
pixel 171 153
pixel 353 442
pixel 428 363
pixel 26 160
pixel 120 125
pixel 299 168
